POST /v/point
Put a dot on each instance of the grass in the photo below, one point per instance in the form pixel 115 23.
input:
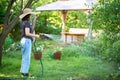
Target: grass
pixel 68 68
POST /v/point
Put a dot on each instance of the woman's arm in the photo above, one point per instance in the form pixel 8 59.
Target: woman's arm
pixel 27 33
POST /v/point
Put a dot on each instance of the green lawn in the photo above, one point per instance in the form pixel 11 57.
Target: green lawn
pixel 68 68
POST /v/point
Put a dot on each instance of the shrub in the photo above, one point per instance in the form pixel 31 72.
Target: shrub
pixel 71 50
pixel 91 47
pixel 7 44
pixel 87 48
pixel 114 52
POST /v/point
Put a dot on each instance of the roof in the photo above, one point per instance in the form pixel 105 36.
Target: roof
pixel 67 5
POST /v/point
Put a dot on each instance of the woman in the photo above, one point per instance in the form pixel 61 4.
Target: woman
pixel 26 40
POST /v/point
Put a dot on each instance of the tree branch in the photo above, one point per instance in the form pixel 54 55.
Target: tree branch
pixel 21 4
pixel 28 4
pixel 7 14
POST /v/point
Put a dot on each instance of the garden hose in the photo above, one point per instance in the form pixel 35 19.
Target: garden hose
pixel 40 59
pixel 42 66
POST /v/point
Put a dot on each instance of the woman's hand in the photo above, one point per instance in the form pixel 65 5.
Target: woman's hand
pixel 37 36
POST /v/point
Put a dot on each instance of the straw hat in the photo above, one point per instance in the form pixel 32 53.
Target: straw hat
pixel 26 11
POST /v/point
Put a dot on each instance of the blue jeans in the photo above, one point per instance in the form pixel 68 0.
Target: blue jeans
pixel 26 46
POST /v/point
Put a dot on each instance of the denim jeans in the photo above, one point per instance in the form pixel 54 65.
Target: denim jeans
pixel 26 46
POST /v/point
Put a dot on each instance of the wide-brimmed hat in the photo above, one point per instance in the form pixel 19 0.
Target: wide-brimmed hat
pixel 26 11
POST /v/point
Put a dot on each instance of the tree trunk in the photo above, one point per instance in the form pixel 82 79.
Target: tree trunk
pixel 0 54
pixel 2 39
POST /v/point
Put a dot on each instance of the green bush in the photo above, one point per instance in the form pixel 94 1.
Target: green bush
pixel 71 50
pixel 87 48
pixel 114 52
pixel 90 47
pixel 110 47
pixel 7 44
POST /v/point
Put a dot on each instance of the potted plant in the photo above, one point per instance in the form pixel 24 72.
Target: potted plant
pixel 57 53
pixel 38 52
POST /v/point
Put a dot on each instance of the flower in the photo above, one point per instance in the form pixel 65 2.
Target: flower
pixel 58 49
pixel 39 49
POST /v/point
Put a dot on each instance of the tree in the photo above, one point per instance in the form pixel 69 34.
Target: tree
pixel 106 16
pixel 13 10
